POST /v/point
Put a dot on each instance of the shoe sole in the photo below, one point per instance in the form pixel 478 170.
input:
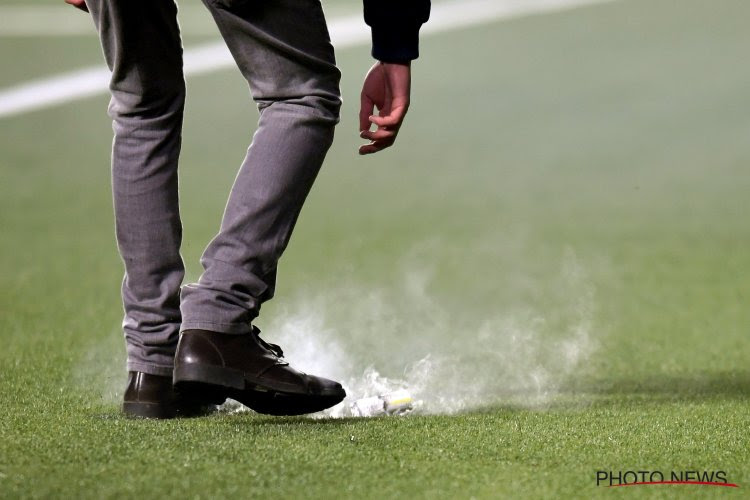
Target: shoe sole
pixel 188 409
pixel 285 404
pixel 193 378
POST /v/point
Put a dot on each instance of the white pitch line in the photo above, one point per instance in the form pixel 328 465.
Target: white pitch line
pixel 61 20
pixel 345 32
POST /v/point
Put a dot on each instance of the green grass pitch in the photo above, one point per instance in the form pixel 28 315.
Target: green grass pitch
pixel 616 133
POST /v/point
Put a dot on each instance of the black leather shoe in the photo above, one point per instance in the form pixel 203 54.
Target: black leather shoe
pixel 152 396
pixel 251 371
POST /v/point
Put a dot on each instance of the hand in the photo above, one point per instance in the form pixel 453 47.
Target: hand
pixel 387 87
pixel 79 4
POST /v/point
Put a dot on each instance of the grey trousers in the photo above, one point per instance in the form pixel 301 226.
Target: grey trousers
pixel 283 49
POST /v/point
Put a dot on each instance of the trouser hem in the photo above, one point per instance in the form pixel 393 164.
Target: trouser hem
pixel 151 369
pixel 233 328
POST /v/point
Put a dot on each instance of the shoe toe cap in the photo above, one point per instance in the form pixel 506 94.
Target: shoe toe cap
pixel 325 387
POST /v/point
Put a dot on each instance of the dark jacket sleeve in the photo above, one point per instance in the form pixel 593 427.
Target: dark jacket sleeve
pixel 395 27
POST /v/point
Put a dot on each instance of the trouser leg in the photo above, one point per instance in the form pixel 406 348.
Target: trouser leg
pixel 142 47
pixel 283 49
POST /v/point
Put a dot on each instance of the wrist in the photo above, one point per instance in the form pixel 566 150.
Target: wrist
pixel 405 64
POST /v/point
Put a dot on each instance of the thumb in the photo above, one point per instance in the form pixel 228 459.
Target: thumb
pixel 391 120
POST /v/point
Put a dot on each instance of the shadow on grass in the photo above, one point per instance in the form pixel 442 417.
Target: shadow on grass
pixel 266 420
pixel 683 387
pixel 656 389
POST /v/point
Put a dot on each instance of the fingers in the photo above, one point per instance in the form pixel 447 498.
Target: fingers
pixel 387 130
pixel 379 134
pixel 376 146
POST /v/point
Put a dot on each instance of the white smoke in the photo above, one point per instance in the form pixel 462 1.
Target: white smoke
pixel 378 340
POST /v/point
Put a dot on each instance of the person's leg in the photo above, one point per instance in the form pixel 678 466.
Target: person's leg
pixel 283 49
pixel 142 47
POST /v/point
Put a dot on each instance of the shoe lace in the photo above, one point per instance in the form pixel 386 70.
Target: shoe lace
pixel 267 345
